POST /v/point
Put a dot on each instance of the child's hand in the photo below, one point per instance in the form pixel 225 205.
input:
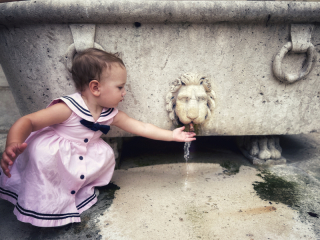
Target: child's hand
pixel 10 154
pixel 180 136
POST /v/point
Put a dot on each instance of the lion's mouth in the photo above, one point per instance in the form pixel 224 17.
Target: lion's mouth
pixel 191 127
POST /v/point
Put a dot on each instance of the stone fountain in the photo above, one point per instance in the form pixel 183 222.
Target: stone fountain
pixel 247 69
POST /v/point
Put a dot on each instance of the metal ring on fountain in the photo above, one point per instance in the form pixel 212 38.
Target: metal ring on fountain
pixel 288 77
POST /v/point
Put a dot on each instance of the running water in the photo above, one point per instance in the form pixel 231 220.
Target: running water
pixel 186 157
pixel 188 144
pixel 187 154
pixel 186 150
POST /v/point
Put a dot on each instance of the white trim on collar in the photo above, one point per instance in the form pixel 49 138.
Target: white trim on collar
pixel 78 106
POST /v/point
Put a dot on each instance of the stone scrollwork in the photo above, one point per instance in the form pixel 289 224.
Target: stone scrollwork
pixel 190 100
pixel 300 43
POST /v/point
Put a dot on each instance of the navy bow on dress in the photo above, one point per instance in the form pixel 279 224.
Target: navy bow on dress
pixel 95 126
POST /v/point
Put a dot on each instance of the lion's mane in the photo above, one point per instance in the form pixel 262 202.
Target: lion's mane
pixel 186 80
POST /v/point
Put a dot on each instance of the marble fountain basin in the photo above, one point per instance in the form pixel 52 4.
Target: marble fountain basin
pixel 258 59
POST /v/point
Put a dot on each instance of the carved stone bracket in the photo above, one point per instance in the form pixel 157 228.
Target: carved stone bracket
pixel 300 43
pixel 83 38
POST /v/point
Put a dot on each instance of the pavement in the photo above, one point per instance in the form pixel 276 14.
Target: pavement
pixel 218 194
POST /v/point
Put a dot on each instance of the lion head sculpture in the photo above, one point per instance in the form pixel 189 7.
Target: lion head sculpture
pixel 191 99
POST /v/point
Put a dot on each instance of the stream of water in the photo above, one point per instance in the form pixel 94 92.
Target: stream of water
pixel 186 150
pixel 186 157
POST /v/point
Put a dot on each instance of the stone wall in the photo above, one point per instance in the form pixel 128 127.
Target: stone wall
pixel 8 108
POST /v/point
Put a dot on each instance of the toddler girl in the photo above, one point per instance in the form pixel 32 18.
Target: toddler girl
pixel 54 158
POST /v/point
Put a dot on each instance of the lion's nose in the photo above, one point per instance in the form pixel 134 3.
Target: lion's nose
pixel 193 108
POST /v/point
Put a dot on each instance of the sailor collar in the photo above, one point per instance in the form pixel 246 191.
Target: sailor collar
pixel 78 106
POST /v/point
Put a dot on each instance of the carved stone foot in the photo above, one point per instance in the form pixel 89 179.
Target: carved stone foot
pixel 261 150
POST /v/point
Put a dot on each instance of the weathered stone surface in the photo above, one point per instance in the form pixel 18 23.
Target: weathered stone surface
pixel 115 11
pixel 156 202
pixel 8 108
pixel 3 79
pixel 232 43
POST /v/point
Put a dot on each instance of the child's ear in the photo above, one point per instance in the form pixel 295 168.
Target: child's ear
pixel 94 87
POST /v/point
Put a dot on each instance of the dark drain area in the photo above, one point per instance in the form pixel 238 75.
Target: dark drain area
pixel 139 152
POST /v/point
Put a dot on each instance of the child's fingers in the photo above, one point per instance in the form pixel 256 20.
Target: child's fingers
pixel 14 151
pixel 7 172
pixel 6 159
pixel 10 152
pixel 190 136
pixel 181 128
pixel 5 168
pixel 22 147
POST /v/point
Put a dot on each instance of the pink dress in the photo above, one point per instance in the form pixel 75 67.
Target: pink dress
pixel 53 180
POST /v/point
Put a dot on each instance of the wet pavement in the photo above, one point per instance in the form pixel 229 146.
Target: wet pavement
pixel 217 195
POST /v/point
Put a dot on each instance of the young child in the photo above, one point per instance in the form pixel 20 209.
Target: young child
pixel 54 158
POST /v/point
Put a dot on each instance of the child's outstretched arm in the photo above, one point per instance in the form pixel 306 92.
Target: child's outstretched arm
pixel 148 130
pixel 22 128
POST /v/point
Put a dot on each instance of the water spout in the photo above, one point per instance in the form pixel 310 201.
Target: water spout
pixel 191 128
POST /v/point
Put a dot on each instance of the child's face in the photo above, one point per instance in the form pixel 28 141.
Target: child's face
pixel 112 82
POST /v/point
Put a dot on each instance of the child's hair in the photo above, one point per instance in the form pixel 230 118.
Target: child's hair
pixel 89 64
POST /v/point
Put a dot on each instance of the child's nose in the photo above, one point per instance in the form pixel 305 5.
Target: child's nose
pixel 124 92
